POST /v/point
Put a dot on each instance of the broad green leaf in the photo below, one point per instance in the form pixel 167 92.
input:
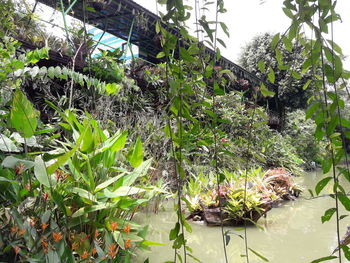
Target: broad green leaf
pixel 7 145
pixel 344 200
pixel 328 214
pixel 136 156
pixel 179 241
pixel 288 13
pixel 40 171
pixel 84 193
pixel 12 162
pixel 174 232
pixel 23 116
pixel 326 165
pixel 322 184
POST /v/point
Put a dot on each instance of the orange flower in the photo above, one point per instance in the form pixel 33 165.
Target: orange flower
pixel 57 236
pixel 127 229
pixel 127 244
pixel 14 229
pixel 85 255
pixel 112 250
pixel 114 226
pixel 96 233
pixel 17 249
pixel 75 246
pixel 94 251
pixel 21 232
pixel 45 245
pixel 44 226
pixel 19 168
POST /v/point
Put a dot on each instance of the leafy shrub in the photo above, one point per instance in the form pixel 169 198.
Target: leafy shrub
pixel 301 133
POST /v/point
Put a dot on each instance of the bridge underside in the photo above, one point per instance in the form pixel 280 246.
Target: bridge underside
pixel 119 16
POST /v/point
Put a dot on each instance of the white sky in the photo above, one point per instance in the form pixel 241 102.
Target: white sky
pixel 247 18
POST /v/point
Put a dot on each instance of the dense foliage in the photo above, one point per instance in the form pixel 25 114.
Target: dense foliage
pixel 83 150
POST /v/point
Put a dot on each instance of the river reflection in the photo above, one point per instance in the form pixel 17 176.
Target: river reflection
pixel 293 233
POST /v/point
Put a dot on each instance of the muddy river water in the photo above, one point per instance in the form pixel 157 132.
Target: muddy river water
pixel 293 232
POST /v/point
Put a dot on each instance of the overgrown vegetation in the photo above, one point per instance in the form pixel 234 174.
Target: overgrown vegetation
pixel 83 150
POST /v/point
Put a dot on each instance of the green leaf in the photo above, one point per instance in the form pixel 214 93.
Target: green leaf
pixel 7 145
pixel 151 243
pixel 108 182
pixel 265 92
pixel 259 255
pixel 64 158
pixel 307 84
pixel 136 156
pixel 322 184
pixel 83 193
pixel 40 171
pixel 174 232
pixel 179 241
pixel 261 66
pixel 271 75
pixel 288 13
pixel 123 191
pixel 326 165
pixel 137 172
pixel 328 215
pixel 161 54
pixel 275 40
pixel 12 162
pixel 344 200
pixel 311 110
pixel 23 116
pixel 324 259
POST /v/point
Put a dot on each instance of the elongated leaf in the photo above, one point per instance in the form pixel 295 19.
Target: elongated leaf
pixel 322 184
pixel 328 214
pixel 324 259
pixel 152 243
pixel 138 172
pixel 40 171
pixel 271 75
pixel 123 191
pixel 259 255
pixel 344 200
pixel 108 182
pixel 84 193
pixel 23 116
pixel 136 157
pixel 64 158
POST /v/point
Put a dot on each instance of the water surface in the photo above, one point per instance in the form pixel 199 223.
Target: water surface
pixel 293 232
